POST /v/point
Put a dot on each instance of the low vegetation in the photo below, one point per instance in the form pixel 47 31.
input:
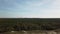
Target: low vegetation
pixel 19 24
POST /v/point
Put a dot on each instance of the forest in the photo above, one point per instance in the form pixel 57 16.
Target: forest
pixel 19 24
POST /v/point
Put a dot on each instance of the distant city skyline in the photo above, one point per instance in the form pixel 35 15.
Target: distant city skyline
pixel 29 8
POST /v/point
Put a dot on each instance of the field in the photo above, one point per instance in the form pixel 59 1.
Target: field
pixel 29 26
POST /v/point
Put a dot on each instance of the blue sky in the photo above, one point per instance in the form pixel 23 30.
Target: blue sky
pixel 29 8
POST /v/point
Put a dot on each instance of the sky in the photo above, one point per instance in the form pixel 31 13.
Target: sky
pixel 29 8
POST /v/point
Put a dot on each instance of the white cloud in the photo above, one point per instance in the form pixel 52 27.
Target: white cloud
pixel 55 4
pixel 34 9
pixel 53 11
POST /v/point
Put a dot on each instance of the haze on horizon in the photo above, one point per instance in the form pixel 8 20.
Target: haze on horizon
pixel 29 8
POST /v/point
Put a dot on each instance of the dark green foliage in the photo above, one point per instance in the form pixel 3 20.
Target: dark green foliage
pixel 29 24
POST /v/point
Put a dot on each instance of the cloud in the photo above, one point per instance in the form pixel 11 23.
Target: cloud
pixel 55 4
pixel 51 13
pixel 30 8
